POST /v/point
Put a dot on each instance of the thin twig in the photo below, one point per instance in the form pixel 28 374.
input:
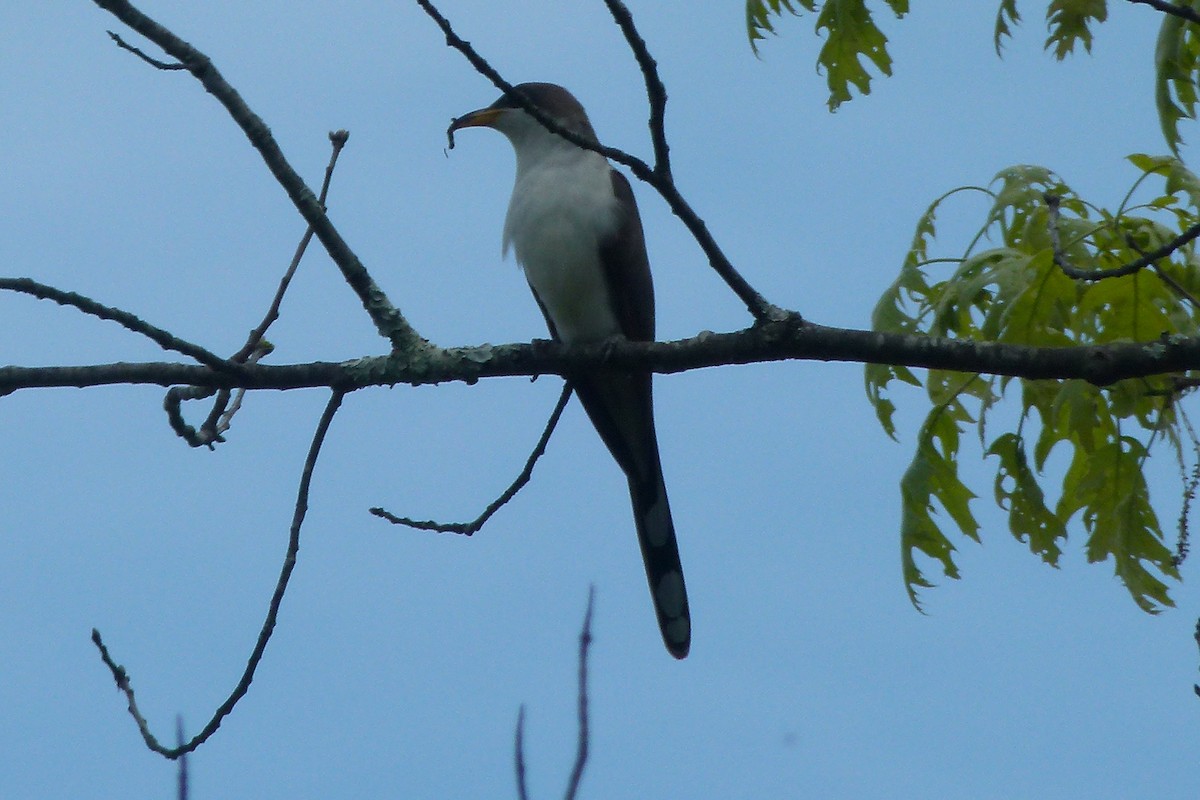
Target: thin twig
pixel 173 405
pixel 663 183
pixel 1053 203
pixel 1189 479
pixel 519 755
pixel 472 527
pixel 154 62
pixel 220 416
pixel 1183 12
pixel 164 339
pixel 338 140
pixel 1195 687
pixel 656 92
pixel 581 752
pixel 289 564
pixel 388 320
pixel 1163 276
pixel 181 789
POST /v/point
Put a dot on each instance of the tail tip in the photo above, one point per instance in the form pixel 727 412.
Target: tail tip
pixel 677 635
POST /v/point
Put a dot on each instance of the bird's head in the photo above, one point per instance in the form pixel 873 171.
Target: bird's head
pixel 507 115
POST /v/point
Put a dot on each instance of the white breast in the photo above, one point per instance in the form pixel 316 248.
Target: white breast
pixel 562 207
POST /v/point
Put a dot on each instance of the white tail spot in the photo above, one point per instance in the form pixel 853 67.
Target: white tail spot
pixel 657 521
pixel 670 596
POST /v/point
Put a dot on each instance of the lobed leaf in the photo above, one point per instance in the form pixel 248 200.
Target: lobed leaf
pixel 932 476
pixel 1176 74
pixel 1007 13
pixel 759 13
pixel 1069 22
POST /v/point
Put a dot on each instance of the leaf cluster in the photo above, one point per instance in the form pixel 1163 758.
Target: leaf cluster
pixel 853 41
pixel 851 38
pixel 1009 285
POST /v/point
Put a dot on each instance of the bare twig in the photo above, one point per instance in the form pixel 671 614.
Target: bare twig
pixel 1195 687
pixel 470 528
pixel 154 62
pixel 1172 284
pixel 388 320
pixel 220 416
pixel 1189 479
pixel 164 339
pixel 219 419
pixel 1183 12
pixel 1053 202
pixel 581 750
pixel 173 405
pixel 338 140
pixel 656 92
pixel 519 755
pixel 582 737
pixel 181 789
pixel 268 627
pixel 635 164
pixel 662 182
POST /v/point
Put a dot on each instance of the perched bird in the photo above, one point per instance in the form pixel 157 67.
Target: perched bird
pixel 574 226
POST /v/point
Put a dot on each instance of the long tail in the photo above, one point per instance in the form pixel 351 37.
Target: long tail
pixel 660 552
pixel 621 407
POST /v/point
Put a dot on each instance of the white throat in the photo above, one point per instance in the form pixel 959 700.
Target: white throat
pixel 562 209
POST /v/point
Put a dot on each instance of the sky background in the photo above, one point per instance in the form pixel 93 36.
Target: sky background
pixel 401 657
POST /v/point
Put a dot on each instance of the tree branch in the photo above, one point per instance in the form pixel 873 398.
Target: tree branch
pixel 775 341
pixel 1147 259
pixel 519 754
pixel 582 737
pixel 1183 12
pixel 472 527
pixel 1196 636
pixel 163 338
pixel 220 416
pixel 289 563
pixel 656 92
pixel 581 742
pixel 388 320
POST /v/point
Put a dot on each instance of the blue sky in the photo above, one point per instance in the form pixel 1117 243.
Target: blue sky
pixel 401 657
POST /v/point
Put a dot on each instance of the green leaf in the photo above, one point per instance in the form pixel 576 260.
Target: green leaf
pixel 851 34
pixel 1017 491
pixel 1068 22
pixel 1121 523
pixel 877 377
pixel 1006 14
pixel 933 476
pixel 759 13
pixel 851 38
pixel 1179 177
pixel 1176 72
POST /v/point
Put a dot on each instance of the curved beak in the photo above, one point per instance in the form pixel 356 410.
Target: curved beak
pixel 483 117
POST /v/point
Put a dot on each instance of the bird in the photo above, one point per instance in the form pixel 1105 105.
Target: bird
pixel 574 227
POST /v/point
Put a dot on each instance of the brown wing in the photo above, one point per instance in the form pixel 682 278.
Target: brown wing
pixel 627 268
